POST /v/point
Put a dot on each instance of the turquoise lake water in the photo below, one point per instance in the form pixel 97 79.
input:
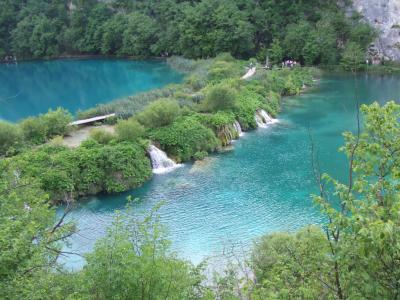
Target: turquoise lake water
pixel 262 185
pixel 31 88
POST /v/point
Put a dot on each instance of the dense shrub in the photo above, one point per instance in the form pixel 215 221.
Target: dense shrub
pixel 217 120
pixel 34 130
pixel 10 137
pixel 88 169
pixel 39 129
pixel 288 82
pixel 101 135
pixel 159 113
pixel 143 266
pixel 56 122
pixel 285 254
pixel 221 96
pixel 221 70
pixel 184 138
pixel 129 130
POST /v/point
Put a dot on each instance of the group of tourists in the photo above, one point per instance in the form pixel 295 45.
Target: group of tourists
pixel 289 63
pixel 9 59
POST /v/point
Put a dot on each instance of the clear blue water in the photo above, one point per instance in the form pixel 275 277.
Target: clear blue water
pixel 30 88
pixel 261 186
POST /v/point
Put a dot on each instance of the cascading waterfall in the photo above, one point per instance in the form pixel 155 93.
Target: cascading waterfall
pixel 238 128
pixel 263 119
pixel 160 162
pixel 229 133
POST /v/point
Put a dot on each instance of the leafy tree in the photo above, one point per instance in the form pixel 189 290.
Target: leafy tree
pixel 295 39
pixel 196 29
pixel 353 57
pixel 113 29
pixel 320 46
pixel 94 30
pixel 291 266
pixel 30 235
pixel 210 27
pixel 367 268
pixel 134 261
pixel 275 52
pixel 362 34
pixel 357 256
pixel 44 38
pixel 139 36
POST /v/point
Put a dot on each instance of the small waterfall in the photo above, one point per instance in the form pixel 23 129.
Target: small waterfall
pixel 263 119
pixel 228 133
pixel 238 128
pixel 160 161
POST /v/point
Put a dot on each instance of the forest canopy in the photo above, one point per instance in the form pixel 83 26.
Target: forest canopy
pixel 312 32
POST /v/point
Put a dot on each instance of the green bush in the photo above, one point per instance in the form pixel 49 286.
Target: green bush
pixel 39 129
pixel 89 169
pixel 221 96
pixel 10 137
pixel 129 130
pixel 277 257
pixel 159 113
pixel 34 130
pixel 217 120
pixel 225 56
pixel 221 70
pixel 56 122
pixel 101 136
pixel 184 138
pixel 200 155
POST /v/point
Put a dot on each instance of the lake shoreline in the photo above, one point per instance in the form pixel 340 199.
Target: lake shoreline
pixel 86 56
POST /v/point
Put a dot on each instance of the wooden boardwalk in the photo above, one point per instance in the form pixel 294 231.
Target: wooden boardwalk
pixel 92 120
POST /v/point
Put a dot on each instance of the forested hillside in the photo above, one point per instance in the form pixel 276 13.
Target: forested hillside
pixel 312 32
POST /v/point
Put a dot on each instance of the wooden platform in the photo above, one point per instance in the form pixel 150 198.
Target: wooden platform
pixel 91 120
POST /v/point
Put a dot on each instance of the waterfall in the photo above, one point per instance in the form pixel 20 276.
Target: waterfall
pixel 228 133
pixel 238 128
pixel 160 161
pixel 263 119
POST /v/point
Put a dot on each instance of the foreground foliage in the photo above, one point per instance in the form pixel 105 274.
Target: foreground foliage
pixel 356 255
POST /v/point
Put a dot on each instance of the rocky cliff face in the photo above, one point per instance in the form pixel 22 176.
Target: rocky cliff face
pixel 384 15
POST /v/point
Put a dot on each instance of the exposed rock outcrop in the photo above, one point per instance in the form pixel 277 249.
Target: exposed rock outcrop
pixel 384 16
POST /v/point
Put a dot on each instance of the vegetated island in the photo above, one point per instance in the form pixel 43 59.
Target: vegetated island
pixel 186 121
